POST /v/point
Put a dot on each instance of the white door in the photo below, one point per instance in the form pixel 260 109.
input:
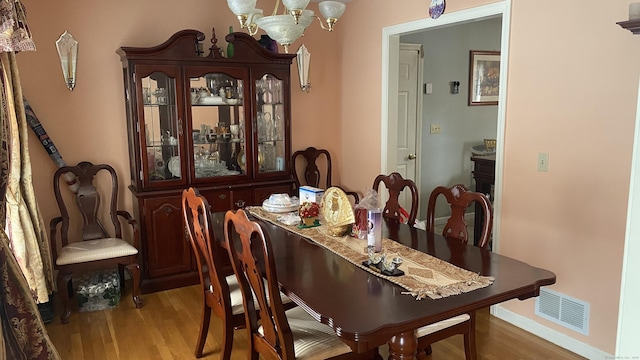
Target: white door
pixel 407 143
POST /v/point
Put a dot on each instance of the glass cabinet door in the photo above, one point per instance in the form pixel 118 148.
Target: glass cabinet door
pixel 270 124
pixel 218 126
pixel 160 128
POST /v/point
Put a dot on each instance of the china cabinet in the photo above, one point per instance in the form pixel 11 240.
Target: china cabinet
pixel 219 124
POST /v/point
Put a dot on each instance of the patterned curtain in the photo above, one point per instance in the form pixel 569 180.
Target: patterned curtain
pixel 26 274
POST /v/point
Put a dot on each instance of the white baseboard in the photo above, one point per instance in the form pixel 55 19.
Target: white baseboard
pixel 549 334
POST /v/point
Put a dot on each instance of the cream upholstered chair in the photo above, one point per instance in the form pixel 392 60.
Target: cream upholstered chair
pixel 459 198
pixel 274 333
pixel 94 248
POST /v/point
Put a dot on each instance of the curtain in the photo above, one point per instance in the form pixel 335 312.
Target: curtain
pixel 26 274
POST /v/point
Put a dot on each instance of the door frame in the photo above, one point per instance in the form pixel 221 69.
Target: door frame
pixel 390 61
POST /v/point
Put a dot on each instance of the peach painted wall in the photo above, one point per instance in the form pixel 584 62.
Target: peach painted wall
pixel 572 90
pixel 573 76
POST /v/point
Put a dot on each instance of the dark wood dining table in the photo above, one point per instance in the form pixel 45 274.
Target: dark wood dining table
pixel 367 311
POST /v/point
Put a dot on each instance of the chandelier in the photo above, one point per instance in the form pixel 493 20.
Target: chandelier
pixel 289 26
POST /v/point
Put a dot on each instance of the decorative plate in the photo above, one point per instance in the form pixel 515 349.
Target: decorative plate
pixel 174 166
pixel 436 8
pixel 240 159
pixel 211 100
pixel 280 203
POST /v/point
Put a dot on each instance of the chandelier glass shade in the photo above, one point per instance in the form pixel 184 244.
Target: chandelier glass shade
pixel 289 26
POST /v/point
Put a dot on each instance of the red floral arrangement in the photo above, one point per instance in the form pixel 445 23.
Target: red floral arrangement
pixel 309 210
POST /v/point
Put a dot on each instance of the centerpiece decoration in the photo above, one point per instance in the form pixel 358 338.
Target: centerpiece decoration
pixel 337 212
pixel 309 212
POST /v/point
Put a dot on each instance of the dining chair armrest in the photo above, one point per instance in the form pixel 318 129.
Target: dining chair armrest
pixel 53 239
pixel 134 225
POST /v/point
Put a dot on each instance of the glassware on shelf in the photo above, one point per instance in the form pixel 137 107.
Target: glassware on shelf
pixel 146 95
pixel 161 96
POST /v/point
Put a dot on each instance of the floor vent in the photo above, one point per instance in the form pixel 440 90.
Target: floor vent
pixel 564 310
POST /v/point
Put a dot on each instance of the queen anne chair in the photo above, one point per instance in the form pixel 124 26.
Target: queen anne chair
pixel 312 175
pixel 459 198
pixel 395 183
pixel 94 248
pixel 221 293
pixel 273 333
pixel 220 290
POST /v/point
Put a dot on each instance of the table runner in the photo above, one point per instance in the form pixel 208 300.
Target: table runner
pixel 425 275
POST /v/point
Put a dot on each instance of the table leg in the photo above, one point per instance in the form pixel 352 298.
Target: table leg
pixel 403 346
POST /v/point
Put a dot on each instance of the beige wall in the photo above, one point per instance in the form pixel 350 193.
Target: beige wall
pixel 573 77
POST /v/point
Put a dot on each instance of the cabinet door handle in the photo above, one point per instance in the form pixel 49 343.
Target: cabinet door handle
pixel 222 196
pixel 240 204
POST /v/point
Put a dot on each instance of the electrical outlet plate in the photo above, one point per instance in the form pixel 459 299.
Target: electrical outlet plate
pixel 543 162
pixel 435 129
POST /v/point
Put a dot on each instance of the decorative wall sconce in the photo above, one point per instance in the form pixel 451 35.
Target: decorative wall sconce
pixel 303 57
pixel 68 52
pixel 455 86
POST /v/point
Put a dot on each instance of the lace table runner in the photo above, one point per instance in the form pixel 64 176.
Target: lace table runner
pixel 425 275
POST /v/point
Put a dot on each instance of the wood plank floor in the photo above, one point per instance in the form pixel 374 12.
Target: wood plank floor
pixel 167 327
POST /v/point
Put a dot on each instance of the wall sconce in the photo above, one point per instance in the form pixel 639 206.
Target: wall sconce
pixel 455 86
pixel 303 57
pixel 68 52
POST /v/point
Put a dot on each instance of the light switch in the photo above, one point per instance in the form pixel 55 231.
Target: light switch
pixel 428 88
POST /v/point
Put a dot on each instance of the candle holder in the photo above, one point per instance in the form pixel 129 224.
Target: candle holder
pixel 68 52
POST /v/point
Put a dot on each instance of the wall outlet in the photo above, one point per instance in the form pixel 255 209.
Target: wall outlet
pixel 435 129
pixel 543 162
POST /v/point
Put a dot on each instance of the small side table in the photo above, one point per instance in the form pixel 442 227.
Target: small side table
pixel 484 172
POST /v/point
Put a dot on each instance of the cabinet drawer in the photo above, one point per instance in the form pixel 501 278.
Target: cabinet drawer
pixel 227 199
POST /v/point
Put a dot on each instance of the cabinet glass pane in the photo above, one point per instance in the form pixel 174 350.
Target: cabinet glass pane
pixel 161 127
pixel 218 126
pixel 270 122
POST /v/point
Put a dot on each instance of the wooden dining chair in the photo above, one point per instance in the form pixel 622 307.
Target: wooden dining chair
pixel 220 290
pixel 274 333
pixel 92 247
pixel 459 198
pixel 312 159
pixel 395 183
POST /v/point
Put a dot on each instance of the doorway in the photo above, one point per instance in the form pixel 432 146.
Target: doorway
pixel 390 104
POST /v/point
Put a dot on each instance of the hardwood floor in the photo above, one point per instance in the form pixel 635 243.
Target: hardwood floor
pixel 167 326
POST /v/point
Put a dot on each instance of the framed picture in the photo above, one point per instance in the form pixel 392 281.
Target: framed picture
pixel 484 77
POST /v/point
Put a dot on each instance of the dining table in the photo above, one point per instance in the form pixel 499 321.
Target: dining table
pixel 366 310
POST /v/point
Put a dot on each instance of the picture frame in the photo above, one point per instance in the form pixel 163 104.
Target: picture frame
pixel 484 77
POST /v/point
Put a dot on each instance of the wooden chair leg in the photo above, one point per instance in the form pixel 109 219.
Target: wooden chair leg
pixel 63 282
pixel 121 277
pixel 204 329
pixel 470 339
pixel 227 339
pixel 134 270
